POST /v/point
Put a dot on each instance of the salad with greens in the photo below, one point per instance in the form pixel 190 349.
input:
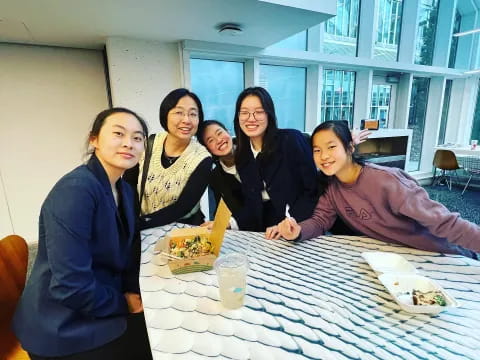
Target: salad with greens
pixel 191 247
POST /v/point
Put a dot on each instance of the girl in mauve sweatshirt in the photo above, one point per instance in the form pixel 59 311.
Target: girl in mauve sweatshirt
pixel 380 202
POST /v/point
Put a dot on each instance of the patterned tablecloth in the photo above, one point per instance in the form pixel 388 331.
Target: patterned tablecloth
pixel 317 299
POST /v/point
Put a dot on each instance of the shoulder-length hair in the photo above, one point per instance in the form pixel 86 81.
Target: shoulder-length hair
pixel 171 100
pixel 269 137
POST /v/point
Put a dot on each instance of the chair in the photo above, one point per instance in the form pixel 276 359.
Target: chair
pixel 445 160
pixel 471 164
pixel 13 270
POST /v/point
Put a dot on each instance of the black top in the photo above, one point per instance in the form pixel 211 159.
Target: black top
pixel 226 186
pixel 290 176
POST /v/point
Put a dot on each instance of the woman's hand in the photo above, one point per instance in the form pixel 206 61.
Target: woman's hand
pixel 289 229
pixel 361 136
pixel 134 302
pixel 272 233
pixel 208 225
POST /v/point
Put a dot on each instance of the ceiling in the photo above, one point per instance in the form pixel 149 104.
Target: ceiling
pixel 87 23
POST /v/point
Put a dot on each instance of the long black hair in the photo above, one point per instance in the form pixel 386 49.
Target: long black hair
pixel 243 141
pixel 343 133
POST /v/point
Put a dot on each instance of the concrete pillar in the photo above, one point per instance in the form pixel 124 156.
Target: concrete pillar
pixel 404 90
pixel 313 97
pixel 367 28
pixel 408 35
pixel 363 95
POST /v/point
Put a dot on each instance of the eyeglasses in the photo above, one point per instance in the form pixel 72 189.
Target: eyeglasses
pixel 258 115
pixel 192 115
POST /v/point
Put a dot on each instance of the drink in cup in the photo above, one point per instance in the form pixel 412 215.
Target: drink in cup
pixel 474 144
pixel 232 279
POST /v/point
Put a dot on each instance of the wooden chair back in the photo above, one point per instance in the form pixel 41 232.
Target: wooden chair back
pixel 13 271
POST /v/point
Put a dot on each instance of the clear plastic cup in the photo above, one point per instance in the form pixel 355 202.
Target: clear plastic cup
pixel 232 279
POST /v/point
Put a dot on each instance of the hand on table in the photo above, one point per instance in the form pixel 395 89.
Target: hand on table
pixel 289 228
pixel 272 233
pixel 208 225
pixel 134 302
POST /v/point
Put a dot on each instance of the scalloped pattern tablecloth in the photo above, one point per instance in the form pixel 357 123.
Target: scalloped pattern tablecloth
pixel 316 299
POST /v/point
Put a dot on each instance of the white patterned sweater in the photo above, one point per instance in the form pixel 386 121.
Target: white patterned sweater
pixel 164 186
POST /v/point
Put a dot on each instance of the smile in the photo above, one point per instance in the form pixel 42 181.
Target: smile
pixel 222 146
pixel 126 155
pixel 185 130
pixel 327 164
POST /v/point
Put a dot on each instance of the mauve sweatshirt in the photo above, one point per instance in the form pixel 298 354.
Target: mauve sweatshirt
pixel 388 204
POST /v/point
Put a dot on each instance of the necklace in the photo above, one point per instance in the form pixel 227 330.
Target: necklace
pixel 171 159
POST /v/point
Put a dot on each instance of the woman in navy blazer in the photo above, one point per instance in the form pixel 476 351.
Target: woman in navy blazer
pixel 275 165
pixel 84 282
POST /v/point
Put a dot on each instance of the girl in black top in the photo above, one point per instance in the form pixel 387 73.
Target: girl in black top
pixel 224 180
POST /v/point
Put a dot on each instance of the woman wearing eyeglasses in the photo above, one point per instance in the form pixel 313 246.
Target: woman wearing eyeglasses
pixel 275 165
pixel 175 170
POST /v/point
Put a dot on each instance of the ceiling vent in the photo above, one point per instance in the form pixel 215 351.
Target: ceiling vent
pixel 229 29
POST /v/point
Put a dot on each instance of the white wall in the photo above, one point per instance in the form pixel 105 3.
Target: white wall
pixel 141 74
pixel 5 221
pixel 48 100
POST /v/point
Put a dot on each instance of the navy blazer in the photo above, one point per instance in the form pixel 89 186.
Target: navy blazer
pixel 73 300
pixel 290 177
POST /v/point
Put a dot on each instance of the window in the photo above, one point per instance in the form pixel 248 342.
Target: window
pixel 475 135
pixel 427 26
pixel 217 84
pixel 416 119
pixel 380 105
pixel 286 85
pixel 294 42
pixel 337 95
pixel 341 31
pixel 454 45
pixel 388 31
pixel 445 107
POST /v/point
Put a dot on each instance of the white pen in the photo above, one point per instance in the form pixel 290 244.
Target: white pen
pixel 287 211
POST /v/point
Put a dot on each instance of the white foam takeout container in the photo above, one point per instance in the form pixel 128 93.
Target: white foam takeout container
pixel 387 262
pixel 401 287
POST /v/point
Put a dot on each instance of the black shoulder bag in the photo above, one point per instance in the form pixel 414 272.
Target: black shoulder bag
pixel 146 165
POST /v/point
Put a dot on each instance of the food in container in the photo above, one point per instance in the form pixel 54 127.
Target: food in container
pixel 404 288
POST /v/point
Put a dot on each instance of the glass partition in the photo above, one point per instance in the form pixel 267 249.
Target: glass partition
pixel 380 104
pixel 388 30
pixel 454 45
pixel 427 27
pixel 445 108
pixel 217 84
pixel 416 119
pixel 337 95
pixel 286 85
pixel 341 31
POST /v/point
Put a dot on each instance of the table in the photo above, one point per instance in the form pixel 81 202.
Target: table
pixel 460 150
pixel 316 299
